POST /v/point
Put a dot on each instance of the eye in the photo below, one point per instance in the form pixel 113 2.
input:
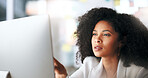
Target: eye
pixel 94 34
pixel 106 34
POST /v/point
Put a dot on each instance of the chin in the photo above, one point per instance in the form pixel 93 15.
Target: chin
pixel 97 54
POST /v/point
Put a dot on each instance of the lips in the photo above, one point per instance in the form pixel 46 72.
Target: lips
pixel 97 48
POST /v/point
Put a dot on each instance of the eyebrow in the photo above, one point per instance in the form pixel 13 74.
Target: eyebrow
pixel 94 31
pixel 103 31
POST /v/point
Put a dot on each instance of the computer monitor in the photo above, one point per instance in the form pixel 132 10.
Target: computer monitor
pixel 26 47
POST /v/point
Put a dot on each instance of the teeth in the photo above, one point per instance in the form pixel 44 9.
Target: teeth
pixel 98 48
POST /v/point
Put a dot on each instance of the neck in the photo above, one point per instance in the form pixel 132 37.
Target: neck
pixel 110 65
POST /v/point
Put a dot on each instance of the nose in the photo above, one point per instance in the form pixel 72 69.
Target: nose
pixel 98 40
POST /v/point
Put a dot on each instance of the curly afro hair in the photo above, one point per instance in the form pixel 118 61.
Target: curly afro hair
pixel 135 48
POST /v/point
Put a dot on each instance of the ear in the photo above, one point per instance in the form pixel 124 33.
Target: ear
pixel 122 42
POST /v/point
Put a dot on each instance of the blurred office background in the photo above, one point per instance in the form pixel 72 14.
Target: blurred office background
pixel 63 18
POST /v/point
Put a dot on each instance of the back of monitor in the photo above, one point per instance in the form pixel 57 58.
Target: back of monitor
pixel 26 47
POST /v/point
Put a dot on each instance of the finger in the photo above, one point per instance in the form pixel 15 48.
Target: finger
pixel 56 62
pixel 56 70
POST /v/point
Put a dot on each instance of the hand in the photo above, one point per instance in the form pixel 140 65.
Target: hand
pixel 59 69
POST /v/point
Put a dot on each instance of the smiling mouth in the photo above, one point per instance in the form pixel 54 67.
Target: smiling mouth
pixel 97 48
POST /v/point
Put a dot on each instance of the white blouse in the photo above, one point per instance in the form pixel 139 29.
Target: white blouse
pixel 92 68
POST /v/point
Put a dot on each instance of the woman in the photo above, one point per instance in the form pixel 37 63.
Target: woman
pixel 111 45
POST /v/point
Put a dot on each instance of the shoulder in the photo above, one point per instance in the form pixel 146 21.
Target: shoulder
pixel 90 61
pixel 137 71
pixel 133 71
pixel 88 64
pixel 143 73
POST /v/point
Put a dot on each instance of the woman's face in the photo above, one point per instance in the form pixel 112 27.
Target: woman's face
pixel 105 40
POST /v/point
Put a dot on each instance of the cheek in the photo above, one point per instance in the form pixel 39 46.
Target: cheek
pixel 92 41
pixel 112 45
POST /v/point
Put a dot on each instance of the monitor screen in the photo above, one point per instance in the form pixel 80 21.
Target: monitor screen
pixel 26 47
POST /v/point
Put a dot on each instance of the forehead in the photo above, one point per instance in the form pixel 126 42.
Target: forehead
pixel 101 25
